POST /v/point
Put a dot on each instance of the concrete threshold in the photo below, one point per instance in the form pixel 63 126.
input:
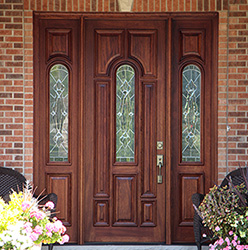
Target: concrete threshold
pixel 135 247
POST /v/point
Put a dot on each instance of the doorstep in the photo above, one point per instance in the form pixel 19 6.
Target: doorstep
pixel 136 247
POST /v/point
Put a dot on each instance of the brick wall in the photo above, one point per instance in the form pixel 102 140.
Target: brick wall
pixel 16 72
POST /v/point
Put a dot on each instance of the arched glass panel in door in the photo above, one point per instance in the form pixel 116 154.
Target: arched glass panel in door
pixel 59 79
pixel 191 115
pixel 125 114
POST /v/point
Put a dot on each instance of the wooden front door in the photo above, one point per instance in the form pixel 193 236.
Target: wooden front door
pixel 124 119
pixel 113 95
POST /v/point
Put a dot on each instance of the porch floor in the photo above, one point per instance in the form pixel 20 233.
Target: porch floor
pixel 136 247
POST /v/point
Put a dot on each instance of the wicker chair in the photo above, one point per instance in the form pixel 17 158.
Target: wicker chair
pixel 13 180
pixel 237 178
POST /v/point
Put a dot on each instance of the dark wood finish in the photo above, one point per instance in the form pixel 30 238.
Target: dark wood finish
pixel 104 200
pixel 135 202
pixel 57 42
pixel 192 43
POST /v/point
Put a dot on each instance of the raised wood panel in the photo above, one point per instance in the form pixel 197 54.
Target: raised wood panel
pixel 125 201
pixel 61 185
pixel 192 43
pixel 101 174
pixel 58 43
pixel 101 213
pixel 109 47
pixel 189 184
pixel 148 213
pixel 149 119
pixel 143 48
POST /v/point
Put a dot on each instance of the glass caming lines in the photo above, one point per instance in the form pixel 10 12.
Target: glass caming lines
pixel 191 122
pixel 59 113
pixel 125 114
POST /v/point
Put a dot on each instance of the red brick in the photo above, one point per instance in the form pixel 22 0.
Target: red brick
pixel 5 7
pixel 236 114
pixel 236 151
pixel 13 13
pixel 238 13
pixel 5 95
pixel 237 26
pixel 14 76
pixel 242 145
pixel 5 132
pixel 243 82
pixel 13 26
pixel 5 19
pixel 245 132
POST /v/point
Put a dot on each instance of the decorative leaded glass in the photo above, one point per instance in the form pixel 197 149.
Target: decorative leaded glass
pixel 59 113
pixel 125 114
pixel 191 122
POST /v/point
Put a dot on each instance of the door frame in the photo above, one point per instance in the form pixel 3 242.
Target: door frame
pixel 81 16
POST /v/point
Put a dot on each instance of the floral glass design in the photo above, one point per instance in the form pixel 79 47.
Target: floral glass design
pixel 59 113
pixel 191 122
pixel 125 114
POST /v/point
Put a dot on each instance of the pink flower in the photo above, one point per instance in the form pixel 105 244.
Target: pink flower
pixel 28 227
pixel 38 229
pixel 221 241
pixel 227 241
pixel 37 214
pixel 34 236
pixel 49 227
pixel 50 205
pixel 217 228
pixel 57 225
pixel 65 238
pixel 235 237
pixel 62 229
pixel 234 243
pixel 231 233
pixel 25 205
pixel 49 234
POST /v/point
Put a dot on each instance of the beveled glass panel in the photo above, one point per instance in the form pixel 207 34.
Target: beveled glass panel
pixel 125 114
pixel 191 118
pixel 59 113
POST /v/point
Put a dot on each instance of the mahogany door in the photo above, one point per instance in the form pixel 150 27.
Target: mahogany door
pixel 112 93
pixel 124 119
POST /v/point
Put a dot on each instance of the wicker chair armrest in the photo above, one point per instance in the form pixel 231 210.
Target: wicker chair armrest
pixel 197 199
pixel 49 197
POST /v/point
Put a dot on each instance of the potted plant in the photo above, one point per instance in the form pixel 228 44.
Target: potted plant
pixel 224 211
pixel 24 224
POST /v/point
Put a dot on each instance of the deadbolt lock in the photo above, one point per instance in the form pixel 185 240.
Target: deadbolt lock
pixel 160 145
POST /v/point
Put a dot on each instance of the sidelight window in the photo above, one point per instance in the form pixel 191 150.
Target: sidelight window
pixel 59 113
pixel 125 114
pixel 191 117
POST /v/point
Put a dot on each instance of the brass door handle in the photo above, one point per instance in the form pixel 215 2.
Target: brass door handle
pixel 160 161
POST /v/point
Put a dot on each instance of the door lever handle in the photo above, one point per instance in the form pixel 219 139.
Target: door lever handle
pixel 160 161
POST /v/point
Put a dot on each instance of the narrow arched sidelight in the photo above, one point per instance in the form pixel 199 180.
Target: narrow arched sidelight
pixel 125 114
pixel 191 115
pixel 59 89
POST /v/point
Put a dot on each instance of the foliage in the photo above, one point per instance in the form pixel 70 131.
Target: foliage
pixel 23 223
pixel 224 210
